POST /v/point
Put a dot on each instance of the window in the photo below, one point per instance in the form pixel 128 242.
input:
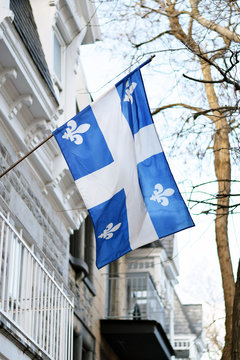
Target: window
pixel 57 59
pixel 82 251
pixel 83 345
pixel 89 246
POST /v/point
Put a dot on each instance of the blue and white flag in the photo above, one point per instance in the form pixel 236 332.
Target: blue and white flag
pixel 116 159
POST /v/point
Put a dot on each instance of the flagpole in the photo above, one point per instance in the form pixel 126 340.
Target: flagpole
pixel 147 61
pixel 133 71
pixel 24 157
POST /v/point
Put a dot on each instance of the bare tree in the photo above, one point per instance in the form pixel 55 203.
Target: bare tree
pixel 205 32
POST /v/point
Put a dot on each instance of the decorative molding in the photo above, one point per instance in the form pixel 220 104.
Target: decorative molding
pixel 66 21
pixel 53 184
pixel 36 132
pixel 6 73
pixel 77 61
pixel 18 104
pixel 56 115
pixel 60 28
pixel 55 191
pixel 19 154
pixel 6 14
pixel 69 192
pixel 57 83
pixel 23 64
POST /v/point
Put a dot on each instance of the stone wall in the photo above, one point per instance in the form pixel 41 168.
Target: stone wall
pixel 42 226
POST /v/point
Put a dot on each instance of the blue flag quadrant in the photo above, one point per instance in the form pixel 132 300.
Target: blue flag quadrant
pixel 117 161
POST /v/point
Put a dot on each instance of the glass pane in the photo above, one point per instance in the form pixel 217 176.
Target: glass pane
pixel 57 58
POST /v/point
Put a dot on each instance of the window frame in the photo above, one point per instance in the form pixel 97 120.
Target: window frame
pixel 58 82
pixel 82 243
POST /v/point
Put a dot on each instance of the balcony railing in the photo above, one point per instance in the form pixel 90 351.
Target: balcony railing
pixel 31 301
pixel 134 296
pixel 182 344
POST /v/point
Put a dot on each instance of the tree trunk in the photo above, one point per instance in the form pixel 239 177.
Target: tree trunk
pixel 236 320
pixel 223 173
pixel 222 170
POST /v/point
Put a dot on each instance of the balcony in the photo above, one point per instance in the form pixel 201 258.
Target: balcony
pixel 135 322
pixel 33 307
pixel 134 296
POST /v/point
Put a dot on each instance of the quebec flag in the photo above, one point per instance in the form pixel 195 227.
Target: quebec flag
pixel 116 159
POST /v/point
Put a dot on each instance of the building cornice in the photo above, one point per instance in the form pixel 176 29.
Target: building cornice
pixel 25 66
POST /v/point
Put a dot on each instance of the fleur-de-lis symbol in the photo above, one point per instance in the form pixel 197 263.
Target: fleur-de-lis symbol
pixel 110 229
pixel 73 132
pixel 129 91
pixel 161 196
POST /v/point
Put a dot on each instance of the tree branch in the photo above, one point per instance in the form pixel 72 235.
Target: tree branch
pixel 157 110
pixel 203 81
pixel 153 39
pixel 222 72
pixel 221 109
pixel 211 24
pixel 172 15
pixel 213 204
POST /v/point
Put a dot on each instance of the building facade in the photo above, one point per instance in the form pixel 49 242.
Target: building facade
pixel 54 303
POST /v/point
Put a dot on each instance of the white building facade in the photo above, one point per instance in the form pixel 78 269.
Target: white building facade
pixel 40 83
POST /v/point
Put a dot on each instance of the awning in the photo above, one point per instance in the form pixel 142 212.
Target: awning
pixel 137 339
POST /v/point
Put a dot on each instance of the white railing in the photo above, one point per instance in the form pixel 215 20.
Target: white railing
pixel 134 296
pixel 182 344
pixel 31 300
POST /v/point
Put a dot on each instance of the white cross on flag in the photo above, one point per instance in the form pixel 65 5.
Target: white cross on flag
pixel 116 159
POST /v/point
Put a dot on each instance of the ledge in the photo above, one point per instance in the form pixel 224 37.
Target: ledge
pixel 137 339
pixel 26 346
pixel 79 266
